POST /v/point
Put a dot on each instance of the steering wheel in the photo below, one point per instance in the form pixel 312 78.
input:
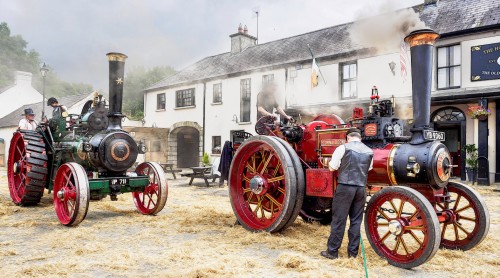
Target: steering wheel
pixel 264 125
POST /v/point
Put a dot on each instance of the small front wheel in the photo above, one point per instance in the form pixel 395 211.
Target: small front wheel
pixel 71 194
pixel 154 196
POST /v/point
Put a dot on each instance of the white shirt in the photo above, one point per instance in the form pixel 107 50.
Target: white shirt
pixel 337 156
pixel 27 125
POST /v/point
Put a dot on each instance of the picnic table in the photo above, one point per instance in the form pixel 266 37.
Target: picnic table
pixel 204 172
pixel 168 168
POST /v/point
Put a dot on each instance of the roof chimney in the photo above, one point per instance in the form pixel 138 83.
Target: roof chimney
pixel 23 78
pixel 242 40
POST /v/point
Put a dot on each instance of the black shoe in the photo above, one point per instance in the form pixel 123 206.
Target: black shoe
pixel 329 255
pixel 350 255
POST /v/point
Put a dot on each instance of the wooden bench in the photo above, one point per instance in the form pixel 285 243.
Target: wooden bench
pixel 204 173
pixel 168 168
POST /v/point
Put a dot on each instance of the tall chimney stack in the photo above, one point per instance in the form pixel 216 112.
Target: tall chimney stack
pixel 116 73
pixel 421 44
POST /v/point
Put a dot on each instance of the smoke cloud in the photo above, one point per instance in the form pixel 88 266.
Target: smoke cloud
pixel 383 28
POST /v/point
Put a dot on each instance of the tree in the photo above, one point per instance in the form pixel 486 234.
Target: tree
pixel 136 81
pixel 14 56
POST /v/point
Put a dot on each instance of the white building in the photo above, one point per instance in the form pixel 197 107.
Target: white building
pixel 203 103
pixel 19 94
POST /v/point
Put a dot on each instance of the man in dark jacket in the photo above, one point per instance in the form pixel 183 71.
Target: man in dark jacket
pixel 352 160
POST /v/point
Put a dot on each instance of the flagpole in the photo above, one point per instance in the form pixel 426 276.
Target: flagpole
pixel 310 50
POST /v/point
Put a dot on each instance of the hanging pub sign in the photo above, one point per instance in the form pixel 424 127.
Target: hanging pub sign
pixel 485 62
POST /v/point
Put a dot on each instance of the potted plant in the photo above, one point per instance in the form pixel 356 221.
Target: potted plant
pixel 479 112
pixel 205 160
pixel 471 161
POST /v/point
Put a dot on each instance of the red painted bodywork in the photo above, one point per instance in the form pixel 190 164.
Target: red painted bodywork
pixel 320 182
pixel 320 139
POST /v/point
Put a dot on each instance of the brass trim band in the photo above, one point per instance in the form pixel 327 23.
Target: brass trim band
pixel 423 37
pixel 115 56
pixel 390 164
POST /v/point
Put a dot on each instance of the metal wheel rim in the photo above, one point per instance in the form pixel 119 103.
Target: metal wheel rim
pixel 462 212
pixel 417 221
pixel 17 182
pixel 267 211
pixel 71 194
pixel 153 198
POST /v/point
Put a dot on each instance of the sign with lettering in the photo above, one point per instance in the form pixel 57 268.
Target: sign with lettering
pixel 485 62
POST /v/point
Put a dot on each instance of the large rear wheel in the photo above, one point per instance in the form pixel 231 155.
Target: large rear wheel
pixel 263 185
pixel 468 218
pixel 27 167
pixel 402 226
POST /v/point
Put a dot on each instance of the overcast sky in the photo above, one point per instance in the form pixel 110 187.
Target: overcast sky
pixel 74 36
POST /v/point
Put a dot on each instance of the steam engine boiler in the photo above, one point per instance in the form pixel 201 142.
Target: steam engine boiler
pixel 414 207
pixel 82 157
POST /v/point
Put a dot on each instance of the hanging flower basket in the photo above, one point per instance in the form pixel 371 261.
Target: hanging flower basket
pixel 479 112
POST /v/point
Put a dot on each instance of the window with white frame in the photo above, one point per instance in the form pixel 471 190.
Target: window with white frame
pixel 217 98
pixel 245 96
pixel 266 79
pixel 449 60
pixel 216 144
pixel 349 74
pixel 160 101
pixel 184 98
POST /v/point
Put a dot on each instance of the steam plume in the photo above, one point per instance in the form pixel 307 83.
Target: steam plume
pixel 386 29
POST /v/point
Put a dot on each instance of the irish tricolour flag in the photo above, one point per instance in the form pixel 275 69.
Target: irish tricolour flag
pixel 314 74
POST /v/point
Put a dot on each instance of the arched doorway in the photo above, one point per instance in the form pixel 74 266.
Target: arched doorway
pixel 188 147
pixel 451 121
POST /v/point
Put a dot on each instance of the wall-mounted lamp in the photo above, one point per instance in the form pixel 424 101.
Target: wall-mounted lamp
pixel 235 118
pixel 392 66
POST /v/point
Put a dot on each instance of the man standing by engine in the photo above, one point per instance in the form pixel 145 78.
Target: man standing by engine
pixel 28 123
pixel 266 102
pixel 58 108
pixel 352 160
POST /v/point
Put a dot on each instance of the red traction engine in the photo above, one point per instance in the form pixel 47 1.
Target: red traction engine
pixel 414 208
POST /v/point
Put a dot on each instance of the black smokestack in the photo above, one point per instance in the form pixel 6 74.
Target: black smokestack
pixel 421 44
pixel 116 72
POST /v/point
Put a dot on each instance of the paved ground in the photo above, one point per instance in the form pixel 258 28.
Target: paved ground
pixel 194 236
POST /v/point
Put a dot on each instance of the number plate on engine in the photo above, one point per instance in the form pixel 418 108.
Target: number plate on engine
pixel 433 135
pixel 119 181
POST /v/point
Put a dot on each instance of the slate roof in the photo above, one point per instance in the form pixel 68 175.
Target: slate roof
pixel 13 118
pixel 445 17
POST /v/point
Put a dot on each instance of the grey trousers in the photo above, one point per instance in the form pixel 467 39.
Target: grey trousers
pixel 347 201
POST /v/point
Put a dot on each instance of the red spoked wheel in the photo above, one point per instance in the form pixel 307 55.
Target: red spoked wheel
pixel 71 194
pixel 402 226
pixel 154 196
pixel 468 219
pixel 27 167
pixel 263 185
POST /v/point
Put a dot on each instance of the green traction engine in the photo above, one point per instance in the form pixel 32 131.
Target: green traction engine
pixel 83 157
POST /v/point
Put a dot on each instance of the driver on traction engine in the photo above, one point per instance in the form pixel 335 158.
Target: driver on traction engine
pixel 266 102
pixel 59 110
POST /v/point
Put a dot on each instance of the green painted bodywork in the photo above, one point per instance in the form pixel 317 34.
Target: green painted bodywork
pixel 67 147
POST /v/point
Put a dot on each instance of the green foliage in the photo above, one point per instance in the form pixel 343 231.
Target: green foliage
pixel 471 151
pixel 136 81
pixel 15 57
pixel 206 159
